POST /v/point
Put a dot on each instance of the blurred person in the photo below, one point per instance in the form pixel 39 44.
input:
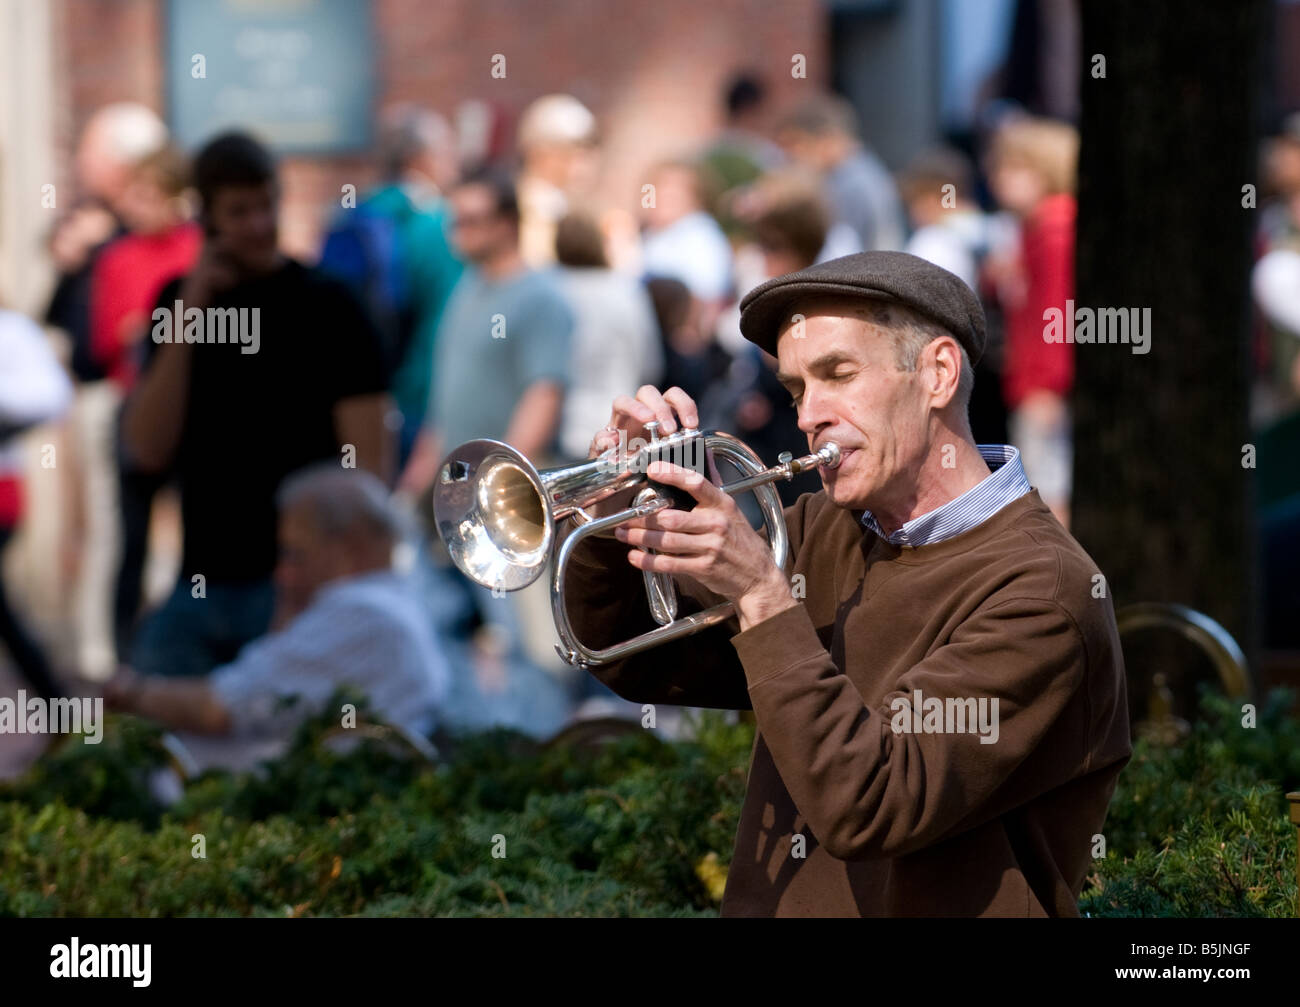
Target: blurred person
pixel 557 143
pixel 1275 283
pixel 948 227
pixel 161 242
pixel 1279 218
pixel 33 389
pixel 753 264
pixel 505 341
pixel 1032 173
pixel 822 134
pixel 616 345
pixel 112 143
pixel 504 363
pixel 681 240
pixel 679 237
pixel 950 230
pixel 344 617
pixel 394 252
pixel 692 359
pixel 741 153
pixel 259 366
pixel 1275 277
pixel 789 226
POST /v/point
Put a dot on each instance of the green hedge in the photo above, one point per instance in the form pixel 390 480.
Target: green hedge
pixel 634 827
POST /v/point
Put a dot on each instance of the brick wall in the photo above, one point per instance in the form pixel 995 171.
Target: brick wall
pixel 650 71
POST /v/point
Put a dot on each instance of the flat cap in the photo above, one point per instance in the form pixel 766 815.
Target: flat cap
pixel 906 279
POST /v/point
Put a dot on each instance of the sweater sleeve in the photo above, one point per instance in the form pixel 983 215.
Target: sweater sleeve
pixel 869 790
pixel 607 604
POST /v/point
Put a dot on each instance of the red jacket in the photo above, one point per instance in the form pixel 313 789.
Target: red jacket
pixel 128 277
pixel 1047 261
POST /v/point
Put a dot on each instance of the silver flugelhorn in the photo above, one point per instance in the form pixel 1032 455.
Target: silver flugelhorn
pixel 497 515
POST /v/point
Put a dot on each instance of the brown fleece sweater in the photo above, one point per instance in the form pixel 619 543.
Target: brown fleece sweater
pixel 897 819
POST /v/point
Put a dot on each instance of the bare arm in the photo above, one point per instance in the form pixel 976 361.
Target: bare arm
pixel 182 704
pixel 536 418
pixel 532 427
pixel 423 463
pixel 152 417
pixel 360 421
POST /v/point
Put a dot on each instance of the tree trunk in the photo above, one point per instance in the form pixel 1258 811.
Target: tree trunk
pixel 1162 499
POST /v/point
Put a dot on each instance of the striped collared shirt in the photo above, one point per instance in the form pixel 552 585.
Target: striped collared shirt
pixel 1007 482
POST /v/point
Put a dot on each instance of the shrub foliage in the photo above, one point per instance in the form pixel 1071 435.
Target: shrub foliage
pixel 632 827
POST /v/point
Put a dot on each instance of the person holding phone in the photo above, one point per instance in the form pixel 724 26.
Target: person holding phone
pixel 258 365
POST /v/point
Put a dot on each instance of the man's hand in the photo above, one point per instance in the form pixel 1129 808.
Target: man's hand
pixel 214 272
pixel 181 704
pixel 631 415
pixel 121 690
pixel 713 544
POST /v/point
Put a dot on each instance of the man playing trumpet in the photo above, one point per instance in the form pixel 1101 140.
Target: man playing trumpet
pixel 936 678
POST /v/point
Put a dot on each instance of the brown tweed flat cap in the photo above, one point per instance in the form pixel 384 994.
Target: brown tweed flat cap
pixel 884 276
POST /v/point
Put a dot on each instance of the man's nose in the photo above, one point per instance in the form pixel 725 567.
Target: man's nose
pixel 814 415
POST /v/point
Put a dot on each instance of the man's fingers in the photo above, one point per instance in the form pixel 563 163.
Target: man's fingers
pixel 602 442
pixel 671 409
pixel 677 543
pixel 626 407
pixel 685 406
pixel 691 481
pixel 649 395
pixel 663 563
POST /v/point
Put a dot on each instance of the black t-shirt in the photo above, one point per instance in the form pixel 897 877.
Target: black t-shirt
pixel 254 417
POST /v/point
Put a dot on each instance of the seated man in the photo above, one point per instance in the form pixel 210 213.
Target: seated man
pixel 343 618
pixel 936 679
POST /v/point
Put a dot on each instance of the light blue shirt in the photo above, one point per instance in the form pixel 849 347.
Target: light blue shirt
pixel 1006 483
pixel 495 339
pixel 369 633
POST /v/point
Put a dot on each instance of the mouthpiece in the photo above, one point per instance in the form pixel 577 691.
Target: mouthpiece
pixel 828 456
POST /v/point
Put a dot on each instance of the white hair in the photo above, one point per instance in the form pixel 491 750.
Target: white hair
pixel 342 502
pixel 130 131
pixel 556 118
pixel 408 131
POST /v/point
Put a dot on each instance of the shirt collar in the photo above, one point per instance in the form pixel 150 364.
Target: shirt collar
pixel 1006 483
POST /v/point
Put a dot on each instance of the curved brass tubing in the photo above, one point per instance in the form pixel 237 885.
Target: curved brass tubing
pixel 1215 642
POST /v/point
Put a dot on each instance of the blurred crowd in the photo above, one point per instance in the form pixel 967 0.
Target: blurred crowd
pixel 252 526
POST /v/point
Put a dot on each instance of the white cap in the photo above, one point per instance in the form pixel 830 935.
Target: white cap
pixel 556 118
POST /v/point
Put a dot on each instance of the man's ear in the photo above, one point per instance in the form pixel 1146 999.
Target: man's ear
pixel 943 369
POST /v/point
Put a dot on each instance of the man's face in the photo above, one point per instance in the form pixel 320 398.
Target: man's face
pixel 478 230
pixel 99 168
pixel 145 207
pixel 675 197
pixel 843 374
pixel 808 149
pixel 1017 186
pixel 307 560
pixel 244 218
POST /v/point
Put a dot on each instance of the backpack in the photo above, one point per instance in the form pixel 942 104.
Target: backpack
pixel 364 252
